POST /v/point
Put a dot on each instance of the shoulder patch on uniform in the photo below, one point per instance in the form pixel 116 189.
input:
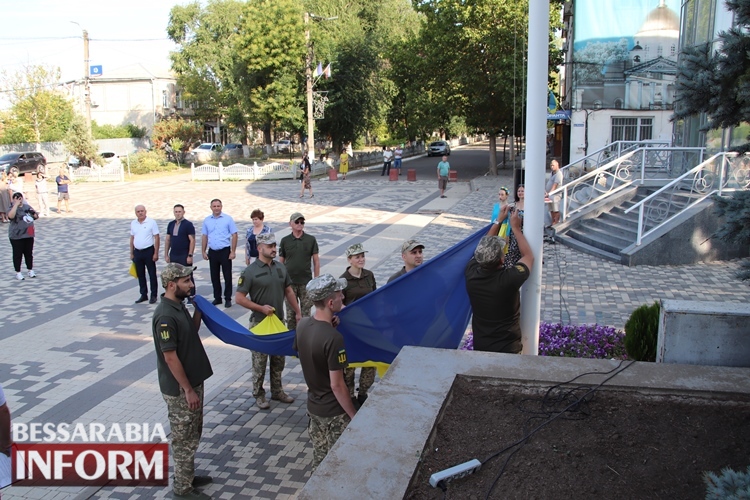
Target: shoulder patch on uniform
pixel 240 281
pixel 520 268
pixel 342 356
pixel 164 333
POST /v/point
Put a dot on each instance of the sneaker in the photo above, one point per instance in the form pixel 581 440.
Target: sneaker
pixel 361 398
pixel 283 397
pixel 261 402
pixel 19 276
pixel 31 273
pixel 202 481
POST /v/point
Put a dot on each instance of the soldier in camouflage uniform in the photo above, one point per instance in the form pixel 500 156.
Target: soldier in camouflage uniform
pixel 261 288
pixel 323 358
pixel 182 366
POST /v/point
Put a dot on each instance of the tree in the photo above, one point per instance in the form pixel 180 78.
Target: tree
pixel 718 83
pixel 78 142
pixel 736 227
pixel 38 112
pixel 167 131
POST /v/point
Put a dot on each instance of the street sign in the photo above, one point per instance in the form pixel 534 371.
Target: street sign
pixel 95 70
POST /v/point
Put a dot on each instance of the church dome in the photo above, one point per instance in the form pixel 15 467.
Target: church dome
pixel 660 22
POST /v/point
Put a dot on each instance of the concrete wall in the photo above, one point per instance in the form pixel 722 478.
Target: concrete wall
pixel 687 240
pixel 704 333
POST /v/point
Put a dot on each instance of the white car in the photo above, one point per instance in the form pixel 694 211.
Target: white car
pixel 205 152
pixel 283 146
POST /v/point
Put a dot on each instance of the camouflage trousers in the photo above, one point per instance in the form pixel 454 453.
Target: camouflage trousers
pixel 366 379
pixel 305 305
pixel 187 426
pixel 260 361
pixel 324 432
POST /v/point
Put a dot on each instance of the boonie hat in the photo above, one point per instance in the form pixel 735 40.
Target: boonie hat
pixel 175 271
pixel 355 249
pixel 489 250
pixel 295 216
pixel 266 239
pixel 324 285
pixel 410 245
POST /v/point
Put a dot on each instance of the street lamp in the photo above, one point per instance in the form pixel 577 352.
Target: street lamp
pixel 309 81
pixel 86 83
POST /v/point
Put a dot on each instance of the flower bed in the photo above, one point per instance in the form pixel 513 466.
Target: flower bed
pixel 574 341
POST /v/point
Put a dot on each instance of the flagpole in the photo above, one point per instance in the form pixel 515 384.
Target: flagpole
pixel 536 148
pixel 309 82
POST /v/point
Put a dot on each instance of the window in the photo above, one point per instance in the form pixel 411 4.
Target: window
pixel 632 129
pixel 164 101
pixel 178 100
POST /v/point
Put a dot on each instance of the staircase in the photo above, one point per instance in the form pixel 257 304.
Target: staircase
pixel 607 231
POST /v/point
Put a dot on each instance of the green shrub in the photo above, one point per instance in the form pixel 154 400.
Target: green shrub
pixel 145 162
pixel 641 331
pixel 729 485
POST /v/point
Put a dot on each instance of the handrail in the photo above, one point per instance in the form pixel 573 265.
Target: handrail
pixel 621 147
pixel 702 181
pixel 634 167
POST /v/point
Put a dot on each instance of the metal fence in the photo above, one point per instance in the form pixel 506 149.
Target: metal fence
pixel 109 173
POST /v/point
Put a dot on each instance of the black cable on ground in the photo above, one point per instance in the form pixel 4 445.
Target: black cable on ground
pixel 573 406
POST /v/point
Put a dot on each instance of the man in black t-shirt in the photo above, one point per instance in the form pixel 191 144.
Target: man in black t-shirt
pixel 323 358
pixel 494 291
pixel 182 366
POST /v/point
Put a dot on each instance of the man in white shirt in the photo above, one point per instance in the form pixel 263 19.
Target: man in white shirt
pixel 398 153
pixel 387 157
pixel 144 252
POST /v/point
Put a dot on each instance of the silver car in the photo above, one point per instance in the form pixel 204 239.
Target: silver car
pixel 439 148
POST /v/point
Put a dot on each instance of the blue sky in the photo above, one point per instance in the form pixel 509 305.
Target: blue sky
pixel 40 32
pixel 613 18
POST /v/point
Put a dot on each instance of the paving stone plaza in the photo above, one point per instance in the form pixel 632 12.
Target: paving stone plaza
pixel 75 348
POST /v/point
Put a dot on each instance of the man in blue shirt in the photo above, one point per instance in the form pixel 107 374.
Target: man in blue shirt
pixel 179 243
pixel 443 169
pixel 218 246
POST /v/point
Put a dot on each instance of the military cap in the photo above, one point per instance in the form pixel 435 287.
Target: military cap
pixel 489 250
pixel 295 216
pixel 410 245
pixel 174 271
pixel 355 249
pixel 324 285
pixel 266 239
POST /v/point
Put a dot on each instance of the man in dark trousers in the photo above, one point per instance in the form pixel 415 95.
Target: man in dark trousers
pixel 218 246
pixel 144 252
pixel 182 366
pixel 179 243
pixel 494 291
pixel 323 358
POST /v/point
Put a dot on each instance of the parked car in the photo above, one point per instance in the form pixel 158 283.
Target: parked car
pixel 439 148
pixel 205 152
pixel 109 157
pixel 232 150
pixel 283 146
pixel 20 163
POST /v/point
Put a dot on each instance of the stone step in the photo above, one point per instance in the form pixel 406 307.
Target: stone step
pixel 617 227
pixel 583 247
pixel 599 239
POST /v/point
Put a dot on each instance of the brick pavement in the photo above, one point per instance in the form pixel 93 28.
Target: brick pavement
pixel 76 349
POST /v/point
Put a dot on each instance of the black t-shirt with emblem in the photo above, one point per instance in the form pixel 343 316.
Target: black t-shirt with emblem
pixel 496 306
pixel 356 288
pixel 173 330
pixel 321 350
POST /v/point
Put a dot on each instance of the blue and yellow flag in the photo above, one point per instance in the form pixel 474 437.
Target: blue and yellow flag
pixel 426 307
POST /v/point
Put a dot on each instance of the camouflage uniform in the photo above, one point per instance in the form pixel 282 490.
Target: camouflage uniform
pixel 305 305
pixel 187 426
pixel 366 380
pixel 324 432
pixel 259 371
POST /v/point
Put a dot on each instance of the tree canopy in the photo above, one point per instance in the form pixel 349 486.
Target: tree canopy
pixel 717 83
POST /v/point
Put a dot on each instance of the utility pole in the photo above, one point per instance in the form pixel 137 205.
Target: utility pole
pixel 86 81
pixel 309 82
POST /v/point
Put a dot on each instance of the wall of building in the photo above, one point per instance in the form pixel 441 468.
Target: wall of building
pixel 599 124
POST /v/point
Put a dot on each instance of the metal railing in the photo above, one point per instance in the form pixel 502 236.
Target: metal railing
pixel 718 174
pixel 108 173
pixel 604 155
pixel 634 167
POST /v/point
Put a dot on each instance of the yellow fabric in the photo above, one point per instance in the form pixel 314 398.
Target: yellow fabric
pixel 132 270
pixel 381 367
pixel 504 233
pixel 269 326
